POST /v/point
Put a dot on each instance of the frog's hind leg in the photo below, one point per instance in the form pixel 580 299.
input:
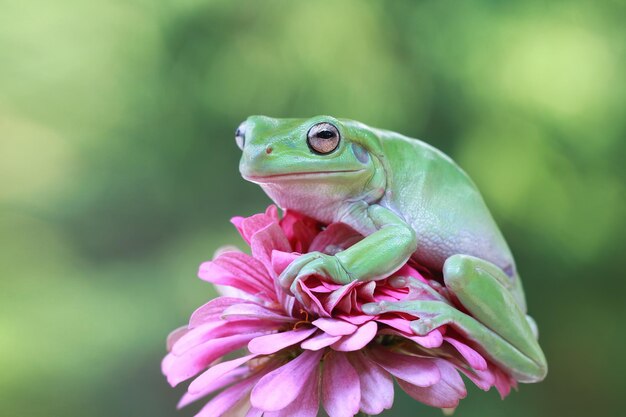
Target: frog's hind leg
pixel 485 291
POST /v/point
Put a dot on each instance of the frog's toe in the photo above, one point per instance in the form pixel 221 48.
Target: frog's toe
pixel 426 325
pixel 372 308
pixel 294 270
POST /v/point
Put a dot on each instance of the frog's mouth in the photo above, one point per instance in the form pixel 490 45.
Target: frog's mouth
pixel 297 175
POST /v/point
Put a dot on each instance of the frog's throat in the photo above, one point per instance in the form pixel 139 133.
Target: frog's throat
pixel 297 175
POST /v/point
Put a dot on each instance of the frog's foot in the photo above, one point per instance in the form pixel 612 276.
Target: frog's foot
pixel 431 314
pixel 314 263
pixel 483 290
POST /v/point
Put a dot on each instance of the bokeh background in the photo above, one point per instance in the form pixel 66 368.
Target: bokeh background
pixel 118 171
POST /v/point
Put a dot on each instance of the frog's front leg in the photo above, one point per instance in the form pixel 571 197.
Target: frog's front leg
pixel 500 329
pixel 388 246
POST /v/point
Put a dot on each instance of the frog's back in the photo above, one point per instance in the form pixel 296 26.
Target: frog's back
pixel 441 203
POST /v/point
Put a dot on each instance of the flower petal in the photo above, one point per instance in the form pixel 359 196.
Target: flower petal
pixel 238 270
pixel 309 299
pixel 376 385
pixel 472 357
pixel 255 311
pixel 254 412
pixel 267 239
pixel 416 370
pixel 213 310
pixel 444 394
pixel 341 389
pixel 308 401
pixel 248 226
pixel 214 385
pixel 281 260
pixel 482 379
pixel 228 398
pixel 335 238
pixel 300 230
pixel 356 319
pixel 503 382
pixel 319 341
pixel 280 387
pixel 217 330
pixel 180 368
pixel 433 339
pixel 216 372
pixel 358 339
pixel 338 295
pixel 335 327
pixel 274 342
pixel 408 270
pixel 175 336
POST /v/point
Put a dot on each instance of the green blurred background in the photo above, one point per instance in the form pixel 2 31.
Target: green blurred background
pixel 118 171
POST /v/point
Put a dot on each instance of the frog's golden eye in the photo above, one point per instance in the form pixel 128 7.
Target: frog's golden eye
pixel 323 138
pixel 240 135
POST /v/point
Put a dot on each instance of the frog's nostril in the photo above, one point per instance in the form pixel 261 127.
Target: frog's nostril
pixel 268 150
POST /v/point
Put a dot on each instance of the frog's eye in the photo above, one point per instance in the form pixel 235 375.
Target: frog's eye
pixel 323 138
pixel 240 135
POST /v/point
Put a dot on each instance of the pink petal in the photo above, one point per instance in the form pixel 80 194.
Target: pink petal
pixel 422 372
pixel 444 394
pixel 300 230
pixel 167 363
pixel 280 387
pixel 216 372
pixel 308 400
pixel 358 339
pixel 356 319
pixel 366 292
pixel 310 300
pixel 255 311
pixel 227 291
pixel 319 341
pixel 482 379
pixel 274 342
pixel 330 286
pixel 254 412
pixel 213 310
pixel 335 327
pixel 269 238
pixel 503 382
pixel 346 303
pixel 398 323
pixel 472 357
pixel 228 398
pixel 249 226
pixel 175 336
pixel 376 385
pixel 318 286
pixel 408 270
pixel 433 339
pixel 281 260
pixel 336 296
pixel 272 212
pixel 180 368
pixel 237 221
pixel 238 270
pixel 336 237
pixel 193 337
pixel 341 389
pixel 214 385
pixel 216 330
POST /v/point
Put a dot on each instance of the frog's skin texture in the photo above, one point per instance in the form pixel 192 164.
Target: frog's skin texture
pixel 410 201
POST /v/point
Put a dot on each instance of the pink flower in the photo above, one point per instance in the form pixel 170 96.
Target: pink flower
pixel 287 356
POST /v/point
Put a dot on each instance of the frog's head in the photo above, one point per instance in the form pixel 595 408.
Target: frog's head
pixel 312 165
